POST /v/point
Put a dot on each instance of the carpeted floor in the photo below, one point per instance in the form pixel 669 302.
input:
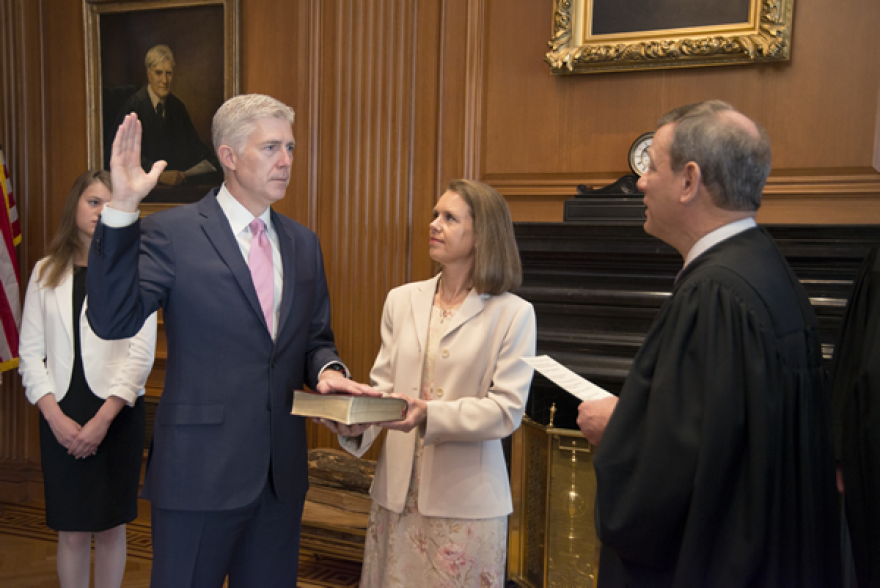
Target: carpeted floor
pixel 28 523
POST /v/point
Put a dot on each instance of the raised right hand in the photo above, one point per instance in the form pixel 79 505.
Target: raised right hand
pixel 130 183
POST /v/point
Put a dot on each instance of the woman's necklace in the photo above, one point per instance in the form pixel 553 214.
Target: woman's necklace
pixel 447 307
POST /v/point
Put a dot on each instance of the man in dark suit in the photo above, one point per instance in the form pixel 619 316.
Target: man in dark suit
pixel 227 473
pixel 715 468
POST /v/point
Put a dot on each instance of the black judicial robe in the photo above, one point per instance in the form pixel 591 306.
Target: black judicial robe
pixel 172 138
pixel 856 397
pixel 716 468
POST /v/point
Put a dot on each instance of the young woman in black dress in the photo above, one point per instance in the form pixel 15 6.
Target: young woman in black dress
pixel 90 395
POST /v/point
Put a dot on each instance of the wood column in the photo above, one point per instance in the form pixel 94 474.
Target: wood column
pixel 22 129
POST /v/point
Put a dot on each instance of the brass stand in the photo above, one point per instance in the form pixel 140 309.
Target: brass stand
pixel 552 535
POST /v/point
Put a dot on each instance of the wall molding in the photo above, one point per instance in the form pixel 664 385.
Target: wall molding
pixel 780 184
pixel 790 196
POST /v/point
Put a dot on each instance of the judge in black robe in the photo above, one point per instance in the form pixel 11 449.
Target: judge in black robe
pixel 716 469
pixel 171 137
pixel 716 466
pixel 856 398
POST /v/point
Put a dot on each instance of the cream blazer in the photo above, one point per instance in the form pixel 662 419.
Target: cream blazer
pixel 117 368
pixel 482 388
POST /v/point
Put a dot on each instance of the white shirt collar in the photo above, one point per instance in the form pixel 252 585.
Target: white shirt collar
pixel 717 236
pixel 153 97
pixel 239 216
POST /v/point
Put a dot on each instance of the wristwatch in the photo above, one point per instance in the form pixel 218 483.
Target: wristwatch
pixel 336 367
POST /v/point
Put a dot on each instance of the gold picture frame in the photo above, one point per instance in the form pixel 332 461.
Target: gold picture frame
pixel 594 36
pixel 204 36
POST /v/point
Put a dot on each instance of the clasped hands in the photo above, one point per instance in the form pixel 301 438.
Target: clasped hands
pixel 80 441
pixel 334 382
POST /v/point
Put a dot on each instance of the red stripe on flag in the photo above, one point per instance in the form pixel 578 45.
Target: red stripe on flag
pixel 10 300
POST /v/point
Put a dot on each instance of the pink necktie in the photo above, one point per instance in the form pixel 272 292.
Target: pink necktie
pixel 260 263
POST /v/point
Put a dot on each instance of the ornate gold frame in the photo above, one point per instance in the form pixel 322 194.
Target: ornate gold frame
pixel 92 13
pixel 574 50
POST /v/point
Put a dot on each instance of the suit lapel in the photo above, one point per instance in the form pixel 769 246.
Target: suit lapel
pixel 471 307
pixel 288 265
pixel 217 229
pixel 422 302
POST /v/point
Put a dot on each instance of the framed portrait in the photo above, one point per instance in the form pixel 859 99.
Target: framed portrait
pixel 592 36
pixel 173 63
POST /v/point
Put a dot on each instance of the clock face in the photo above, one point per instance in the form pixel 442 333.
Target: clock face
pixel 639 158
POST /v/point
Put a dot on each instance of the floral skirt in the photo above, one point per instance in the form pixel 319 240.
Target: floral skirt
pixel 409 549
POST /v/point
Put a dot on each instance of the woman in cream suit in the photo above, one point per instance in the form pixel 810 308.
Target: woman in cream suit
pixel 89 392
pixel 451 346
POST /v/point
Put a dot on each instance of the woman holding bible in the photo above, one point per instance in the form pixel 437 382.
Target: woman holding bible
pixel 451 347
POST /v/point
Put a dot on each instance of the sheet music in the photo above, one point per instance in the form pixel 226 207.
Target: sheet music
pixel 566 379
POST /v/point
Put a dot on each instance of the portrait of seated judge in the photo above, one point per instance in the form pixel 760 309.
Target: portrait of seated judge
pixel 168 131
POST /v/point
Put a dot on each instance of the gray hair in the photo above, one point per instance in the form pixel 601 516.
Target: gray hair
pixel 734 160
pixel 157 54
pixel 236 119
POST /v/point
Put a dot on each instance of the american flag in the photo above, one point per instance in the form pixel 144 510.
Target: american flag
pixel 10 297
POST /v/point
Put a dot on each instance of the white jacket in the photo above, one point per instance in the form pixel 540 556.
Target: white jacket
pixel 117 368
pixel 482 386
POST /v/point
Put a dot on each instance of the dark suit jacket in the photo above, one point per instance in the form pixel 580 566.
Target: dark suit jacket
pixel 172 138
pixel 225 408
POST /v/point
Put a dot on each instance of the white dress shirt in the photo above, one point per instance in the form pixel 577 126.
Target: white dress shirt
pixel 717 236
pixel 240 219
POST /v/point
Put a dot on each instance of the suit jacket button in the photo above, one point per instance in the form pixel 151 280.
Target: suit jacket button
pixel 445 353
pixel 439 392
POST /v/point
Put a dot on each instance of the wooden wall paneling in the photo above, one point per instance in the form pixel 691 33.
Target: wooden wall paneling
pixel 544 134
pixel 449 127
pixel 540 126
pixel 876 162
pixel 276 60
pixel 476 33
pixel 64 84
pixel 823 196
pixel 834 209
pixel 364 169
pixel 427 181
pixel 21 134
pixel 455 158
